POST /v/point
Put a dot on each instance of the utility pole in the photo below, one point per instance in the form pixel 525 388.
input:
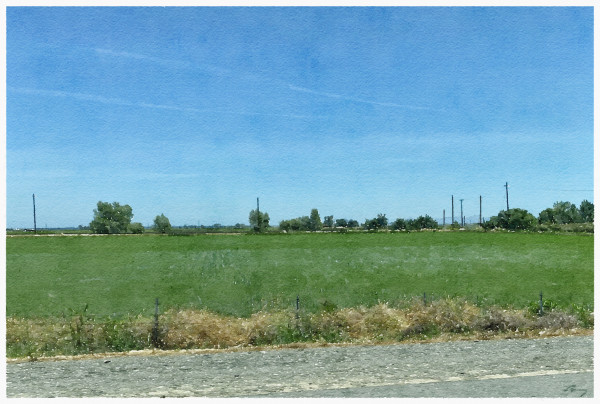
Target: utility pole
pixel 480 222
pixel 506 186
pixel 34 223
pixel 444 218
pixel 452 209
pixel 258 221
pixel 461 214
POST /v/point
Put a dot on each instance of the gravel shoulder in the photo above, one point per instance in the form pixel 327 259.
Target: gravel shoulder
pixel 494 368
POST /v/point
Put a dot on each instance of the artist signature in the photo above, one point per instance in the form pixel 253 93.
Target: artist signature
pixel 573 389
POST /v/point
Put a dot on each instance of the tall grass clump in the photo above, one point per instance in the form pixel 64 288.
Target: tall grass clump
pixel 414 320
pixel 75 334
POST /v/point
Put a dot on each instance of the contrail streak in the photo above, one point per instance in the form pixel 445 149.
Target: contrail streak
pixel 218 70
pixel 360 100
pixel 122 102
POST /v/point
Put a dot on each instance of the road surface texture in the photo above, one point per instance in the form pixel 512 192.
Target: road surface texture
pixel 547 367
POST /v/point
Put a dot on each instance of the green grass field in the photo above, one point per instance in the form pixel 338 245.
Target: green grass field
pixel 239 275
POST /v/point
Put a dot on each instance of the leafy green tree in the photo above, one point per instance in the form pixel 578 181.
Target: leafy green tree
pixel 566 212
pixel 353 223
pixel 299 223
pixel 427 222
pixel 328 221
pixel 285 225
pixel 379 222
pixel 382 221
pixel 489 224
pixel 399 224
pixel 515 219
pixel 586 211
pixel 341 223
pixel 136 228
pixel 546 216
pixel 259 220
pixel 422 222
pixel 111 218
pixel 315 221
pixel 162 224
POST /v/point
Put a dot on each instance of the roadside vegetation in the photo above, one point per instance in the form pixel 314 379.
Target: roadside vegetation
pixel 416 320
pixel 68 295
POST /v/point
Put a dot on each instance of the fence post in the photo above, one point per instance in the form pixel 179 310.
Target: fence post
pixel 155 327
pixel 297 306
pixel 424 298
pixel 541 304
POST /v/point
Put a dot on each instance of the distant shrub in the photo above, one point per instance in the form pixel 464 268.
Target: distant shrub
pixel 399 224
pixel 136 228
pixel 379 222
pixel 513 219
pixel 422 222
pixel 162 224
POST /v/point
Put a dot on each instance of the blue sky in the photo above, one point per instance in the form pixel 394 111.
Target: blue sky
pixel 355 111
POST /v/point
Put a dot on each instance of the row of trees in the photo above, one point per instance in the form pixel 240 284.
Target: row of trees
pixel 559 213
pixel 313 223
pixel 306 223
pixel 422 222
pixel 114 218
pixel 566 212
pixel 513 219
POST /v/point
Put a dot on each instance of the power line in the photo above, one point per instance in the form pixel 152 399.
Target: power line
pixel 570 190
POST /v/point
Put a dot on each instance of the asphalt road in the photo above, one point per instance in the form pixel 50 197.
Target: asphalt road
pixel 551 367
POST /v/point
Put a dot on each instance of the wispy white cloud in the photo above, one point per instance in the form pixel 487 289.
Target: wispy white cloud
pixel 170 63
pixel 128 55
pixel 354 99
pixel 122 102
pixel 46 174
pixel 67 94
pixel 145 175
pixel 245 75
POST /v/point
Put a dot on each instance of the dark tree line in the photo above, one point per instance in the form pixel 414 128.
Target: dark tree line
pixel 559 213
pixel 114 218
pixel 304 223
pixel 313 223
